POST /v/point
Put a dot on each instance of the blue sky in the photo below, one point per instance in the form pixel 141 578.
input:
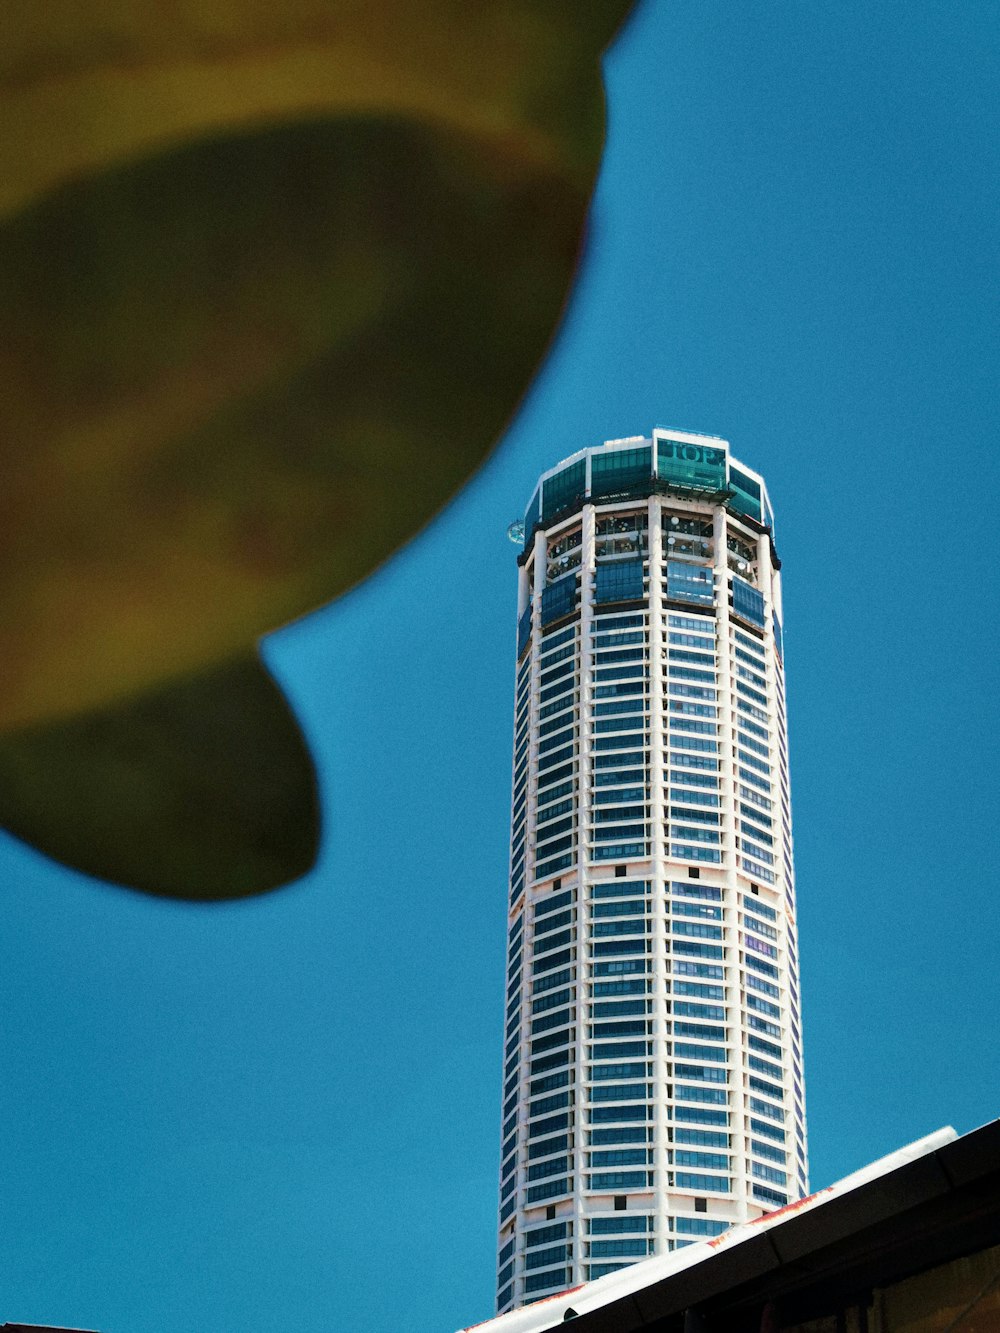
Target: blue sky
pixel 284 1113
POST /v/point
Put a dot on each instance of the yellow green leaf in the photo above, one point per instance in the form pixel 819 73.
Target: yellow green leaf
pixel 203 789
pixel 272 281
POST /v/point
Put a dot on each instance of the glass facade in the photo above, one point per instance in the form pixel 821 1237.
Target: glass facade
pixel 652 1078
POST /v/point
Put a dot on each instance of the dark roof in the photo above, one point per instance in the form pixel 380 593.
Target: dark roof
pixel 929 1203
pixel 938 1207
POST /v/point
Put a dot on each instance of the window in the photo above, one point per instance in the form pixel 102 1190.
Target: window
pixel 698 467
pixel 687 1180
pixel 620 472
pixel 555 1254
pixel 699 1226
pixel 559 599
pixel 748 603
pixel 602 1270
pixel 622 1134
pixel 747 494
pixel 543 1169
pixel 713 1161
pixel 539 1281
pixel 616 1226
pixel 564 490
pixel 702 1138
pixel 706 627
pixel 619 1157
pixel 767 1195
pixel 689 583
pixel 621 581
pixel 636 1248
pixel 621 1203
pixel 619 1092
pixel 695 1093
pixel 700 1115
pixel 524 630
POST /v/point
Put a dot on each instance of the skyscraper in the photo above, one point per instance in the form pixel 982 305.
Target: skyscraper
pixel 652 1088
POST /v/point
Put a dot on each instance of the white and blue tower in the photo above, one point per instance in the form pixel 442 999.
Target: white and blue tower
pixel 652 1086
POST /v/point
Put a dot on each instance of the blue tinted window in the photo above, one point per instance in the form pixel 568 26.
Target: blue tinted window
pixel 621 472
pixel 619 1157
pixel 765 1150
pixel 602 1270
pixel 543 1169
pixel 601 1249
pixel 617 724
pixel 703 1184
pixel 696 930
pixel 688 622
pixel 565 490
pixel 748 603
pixel 547 1084
pixel 633 1069
pixel 766 1109
pixel 718 1096
pixel 685 655
pixel 620 967
pixel 620 988
pixel 617 1224
pixel 706 1138
pixel 699 1226
pixel 553 903
pixel 618 1050
pixel 559 599
pixel 547 1191
pixel 547 1146
pixel 767 1195
pixel 551 1124
pixel 700 1031
pixel 623 1134
pixel 620 581
pixel 555 1254
pixel 690 467
pixel 746 498
pixel 627 1111
pixel 688 1010
pixel 697 988
pixel 689 583
pixel 617 1180
pixel 524 630
pixel 554 638
pixel 618 1009
pixel 769 1131
pixel 558 1276
pixel 619 1092
pixel 714 1161
pixel 699 1115
pixel 542 1235
pixel 532 514
pixel 618 888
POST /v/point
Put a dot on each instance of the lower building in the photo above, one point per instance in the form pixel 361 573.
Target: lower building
pixel 910 1244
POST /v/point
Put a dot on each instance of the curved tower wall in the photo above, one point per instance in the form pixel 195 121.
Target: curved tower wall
pixel 652 1087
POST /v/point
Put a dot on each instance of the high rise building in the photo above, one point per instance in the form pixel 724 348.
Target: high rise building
pixel 652 1088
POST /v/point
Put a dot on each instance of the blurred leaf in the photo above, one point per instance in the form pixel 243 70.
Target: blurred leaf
pixel 203 789
pixel 272 281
